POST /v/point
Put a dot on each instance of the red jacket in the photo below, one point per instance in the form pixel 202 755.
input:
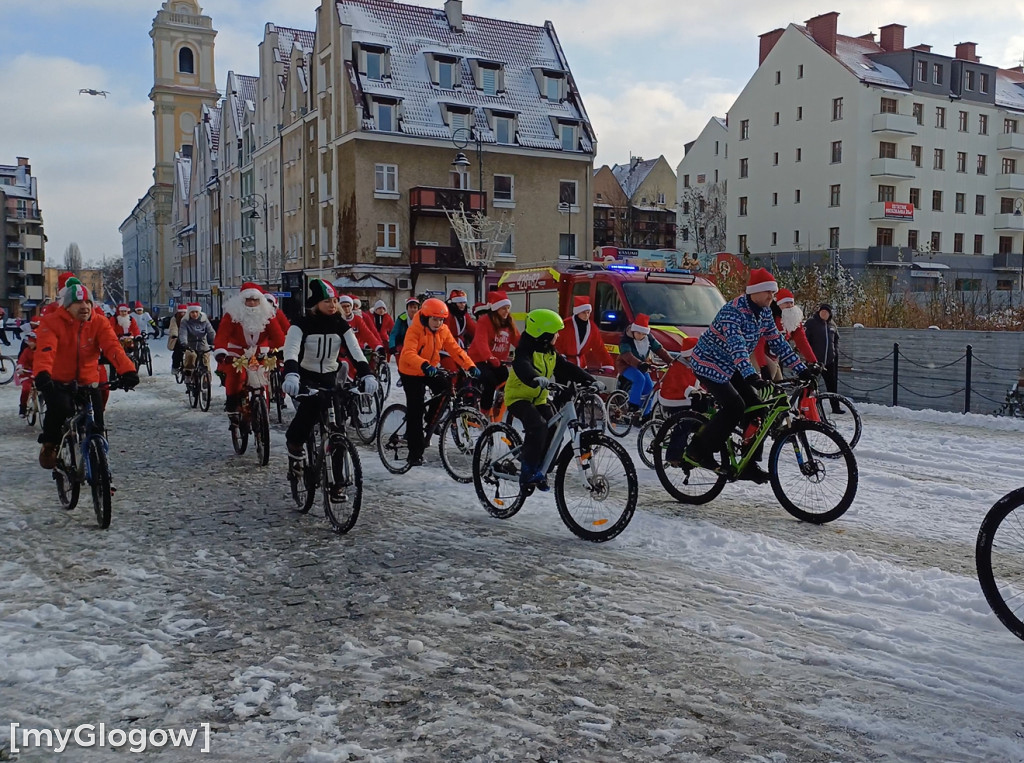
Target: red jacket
pixel 69 349
pixel 799 337
pixel 586 351
pixel 382 324
pixel 463 333
pixel 489 342
pixel 283 324
pixel 678 379
pixel 120 332
pixel 365 333
pixel 232 341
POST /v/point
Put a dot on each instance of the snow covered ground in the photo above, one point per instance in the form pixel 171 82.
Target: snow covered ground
pixel 432 632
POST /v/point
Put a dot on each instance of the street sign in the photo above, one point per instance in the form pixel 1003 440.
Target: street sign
pixel 280 294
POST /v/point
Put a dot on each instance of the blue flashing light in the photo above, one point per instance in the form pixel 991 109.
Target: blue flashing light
pixel 680 271
pixel 624 268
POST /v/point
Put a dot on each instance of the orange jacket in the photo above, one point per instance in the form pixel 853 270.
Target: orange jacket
pixel 424 346
pixel 69 349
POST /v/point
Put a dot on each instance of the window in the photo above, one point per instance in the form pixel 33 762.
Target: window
pixel 799 154
pixel 979 204
pixel 912 239
pixel 186 61
pixel 776 118
pixel 568 137
pixel 385 116
pixel 686 181
pixel 567 193
pixel 686 234
pixel 800 71
pixel 982 164
pixel 799 113
pixel 507 249
pixel 686 208
pixel 936 201
pixel 741 243
pixel 886 150
pixel 489 80
pixel 915 155
pixel 446 75
pixel 939 159
pixel 962 122
pixel 833 238
pixel 979 243
pixel 889 106
pixel 775 199
pixel 775 159
pixel 883 237
pixel 775 238
pixel 504 129
pixel 967 284
pixel 1009 166
pixel 837 151
pixel 940 117
pixel 387 237
pixel 936 74
pixel 960 205
pixel 915 197
pixel 374 65
pixel 1004 284
pixel 982 124
pixel 1009 125
pixel 385 178
pixel 961 161
pixel 567 246
pixel 744 168
pixel 778 78
pixel 553 88
pixel 983 79
pixel 504 188
pixel 887 193
pixel 969 80
pixel 1006 206
pixel 1005 244
pixel 936 241
pixel 922 71
pixel 796 196
pixel 837 109
pixel 745 129
pixel 796 237
pixel 716 148
pixel 958 243
pixel 833 195
pixel 743 206
pixel 919 113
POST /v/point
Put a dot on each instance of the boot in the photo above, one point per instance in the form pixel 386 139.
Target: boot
pixel 21 411
pixel 48 455
pixel 532 476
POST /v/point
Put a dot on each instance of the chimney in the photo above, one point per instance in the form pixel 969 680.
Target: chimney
pixel 768 40
pixel 23 161
pixel 823 30
pixel 892 38
pixel 923 48
pixel 965 51
pixel 453 10
pixel 870 37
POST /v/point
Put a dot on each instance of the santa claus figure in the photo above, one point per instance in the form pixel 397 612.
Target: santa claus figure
pixel 581 342
pixel 123 323
pixel 248 323
pixel 789 319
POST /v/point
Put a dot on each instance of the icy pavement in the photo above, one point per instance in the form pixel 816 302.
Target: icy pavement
pixel 432 632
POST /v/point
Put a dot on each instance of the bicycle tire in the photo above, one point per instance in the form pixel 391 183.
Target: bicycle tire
pixel 259 422
pixel 239 436
pixel 619 418
pixel 459 433
pixel 65 475
pixel 848 425
pixel 694 486
pixel 591 411
pixel 7 366
pixel 274 381
pixel 40 410
pixel 149 361
pixel 383 373
pixel 304 479
pixel 807 438
pixel 342 514
pixel 497 444
pixel 998 555
pixel 99 483
pixel 31 411
pixel 392 446
pixel 179 377
pixel 365 416
pixel 192 391
pixel 596 522
pixel 645 440
pixel 205 392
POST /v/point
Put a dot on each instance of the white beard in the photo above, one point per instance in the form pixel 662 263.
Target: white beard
pixel 643 346
pixel 125 322
pixel 252 319
pixel 792 318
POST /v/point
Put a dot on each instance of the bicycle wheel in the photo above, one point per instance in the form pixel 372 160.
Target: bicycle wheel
pixel 591 411
pixel 32 410
pixel 41 409
pixel 391 443
pixel 192 391
pixel 303 476
pixel 147 358
pixel 276 396
pixel 365 415
pixel 597 500
pixel 459 433
pixel 342 484
pixel 239 436
pixel 691 485
pixel 259 422
pixel 99 482
pixel 7 365
pixel 645 440
pixel 179 376
pixel 497 452
pixel 999 555
pixel 811 487
pixel 619 418
pixel 847 422
pixel 384 377
pixel 68 487
pixel 204 391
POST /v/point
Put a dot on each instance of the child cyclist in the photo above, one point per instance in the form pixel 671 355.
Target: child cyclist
pixel 633 362
pixel 419 368
pixel 496 335
pixel 23 370
pixel 526 392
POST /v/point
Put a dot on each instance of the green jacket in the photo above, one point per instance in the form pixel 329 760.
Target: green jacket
pixel 532 361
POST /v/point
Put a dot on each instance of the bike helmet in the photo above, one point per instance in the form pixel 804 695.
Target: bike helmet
pixel 543 321
pixel 434 308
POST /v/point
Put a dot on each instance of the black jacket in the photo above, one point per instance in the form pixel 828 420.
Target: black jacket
pixel 824 339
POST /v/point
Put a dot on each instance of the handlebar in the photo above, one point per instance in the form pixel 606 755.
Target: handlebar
pixel 74 387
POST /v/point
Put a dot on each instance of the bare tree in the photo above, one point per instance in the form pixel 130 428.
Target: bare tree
pixel 73 258
pixel 704 209
pixel 112 270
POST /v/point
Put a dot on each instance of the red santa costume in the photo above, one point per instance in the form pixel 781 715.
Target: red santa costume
pixel 123 323
pixel 382 322
pixel 791 324
pixel 580 341
pixel 461 324
pixel 279 317
pixel 680 382
pixel 241 328
pixel 363 329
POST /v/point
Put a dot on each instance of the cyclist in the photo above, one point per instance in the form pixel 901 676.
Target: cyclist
pixel 583 344
pixel 789 319
pixel 69 342
pixel 363 329
pixel 633 363
pixel 721 361
pixel 480 309
pixel 123 323
pixel 397 336
pixel 526 392
pixel 196 332
pixel 461 325
pixel 680 388
pixel 177 348
pixel 495 337
pixel 23 370
pixel 382 322
pixel 311 352
pixel 418 368
pixel 3 331
pixel 279 317
pixel 248 322
pixel 146 323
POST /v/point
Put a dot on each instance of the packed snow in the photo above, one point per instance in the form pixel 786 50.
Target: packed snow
pixel 432 632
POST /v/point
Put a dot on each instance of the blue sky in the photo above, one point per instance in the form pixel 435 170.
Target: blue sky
pixel 651 74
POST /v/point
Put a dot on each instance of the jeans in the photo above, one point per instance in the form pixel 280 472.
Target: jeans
pixel 831 377
pixel 415 391
pixel 641 387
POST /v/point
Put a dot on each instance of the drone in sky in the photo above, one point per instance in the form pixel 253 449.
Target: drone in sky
pixel 90 91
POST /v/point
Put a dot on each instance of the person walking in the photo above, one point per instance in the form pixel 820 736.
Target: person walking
pixel 823 335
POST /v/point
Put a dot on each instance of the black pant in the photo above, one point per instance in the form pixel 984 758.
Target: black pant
pixel 831 377
pixel 176 354
pixel 733 398
pixel 490 378
pixel 535 423
pixel 60 405
pixel 415 390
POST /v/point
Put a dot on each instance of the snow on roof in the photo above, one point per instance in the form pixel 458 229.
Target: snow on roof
pixel 412 32
pixel 1010 89
pixel 212 126
pixel 287 37
pixel 17 191
pixel 631 176
pixel 721 121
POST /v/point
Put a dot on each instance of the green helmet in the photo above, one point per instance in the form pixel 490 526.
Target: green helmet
pixel 543 321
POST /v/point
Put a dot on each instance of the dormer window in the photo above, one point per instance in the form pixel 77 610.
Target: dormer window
pixel 374 61
pixel 488 76
pixel 445 71
pixel 445 75
pixel 385 115
pixel 552 87
pixel 568 135
pixel 489 81
pixel 457 117
pixel 374 65
pixel 504 126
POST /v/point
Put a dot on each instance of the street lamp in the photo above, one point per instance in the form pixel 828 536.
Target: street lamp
pixel 250 200
pixel 461 137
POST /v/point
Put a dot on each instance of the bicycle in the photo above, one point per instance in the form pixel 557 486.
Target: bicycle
pixel 811 405
pixel 82 455
pixel 274 382
pixel 604 469
pixel 452 414
pixel 253 413
pixel 620 418
pixel 196 375
pixel 381 369
pixel 35 408
pixel 999 556
pixel 7 366
pixel 819 454
pixel 142 355
pixel 331 462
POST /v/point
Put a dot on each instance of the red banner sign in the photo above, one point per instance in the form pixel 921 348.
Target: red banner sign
pixel 895 210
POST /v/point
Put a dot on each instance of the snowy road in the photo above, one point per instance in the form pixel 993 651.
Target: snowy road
pixel 727 632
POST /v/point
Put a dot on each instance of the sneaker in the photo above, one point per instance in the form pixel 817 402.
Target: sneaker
pixel 295 451
pixel 415 461
pixel 699 460
pixel 754 473
pixel 534 478
pixel 48 456
pixel 21 411
pixel 337 494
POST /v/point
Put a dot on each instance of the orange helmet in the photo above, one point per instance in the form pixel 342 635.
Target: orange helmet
pixel 434 308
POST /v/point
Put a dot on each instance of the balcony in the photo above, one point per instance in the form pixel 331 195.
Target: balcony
pixel 1008 261
pixel 1010 182
pixel 892 169
pixel 891 212
pixel 894 125
pixel 442 257
pixel 1009 222
pixel 434 201
pixel 15 215
pixel 1010 143
pixel 34 292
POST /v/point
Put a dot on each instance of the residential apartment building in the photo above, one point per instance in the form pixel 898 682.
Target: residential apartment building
pixel 23 244
pixel 641 213
pixel 611 209
pixel 898 159
pixel 701 192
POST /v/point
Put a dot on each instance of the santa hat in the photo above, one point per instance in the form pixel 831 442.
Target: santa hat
pixel 761 280
pixel 458 297
pixel 62 279
pixel 581 305
pixel 345 299
pixel 686 346
pixel 641 323
pixel 194 306
pixel 498 300
pixel 250 290
pixel 182 307
pixel 124 307
pixel 138 306
pixel 480 308
pixel 319 290
pixel 271 298
pixel 412 300
pixel 784 298
pixel 379 303
pixel 75 292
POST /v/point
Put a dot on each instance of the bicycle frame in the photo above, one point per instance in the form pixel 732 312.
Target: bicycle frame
pixel 81 429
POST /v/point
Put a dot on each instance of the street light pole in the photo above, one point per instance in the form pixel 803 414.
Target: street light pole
pixel 461 138
pixel 252 197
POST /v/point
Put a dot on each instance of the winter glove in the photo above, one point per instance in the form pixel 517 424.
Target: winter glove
pixel 290 385
pixel 644 367
pixel 428 370
pixel 607 369
pixel 368 384
pixel 543 382
pixel 474 372
pixel 44 382
pixel 808 373
pixel 130 380
pixel 494 363
pixel 760 385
